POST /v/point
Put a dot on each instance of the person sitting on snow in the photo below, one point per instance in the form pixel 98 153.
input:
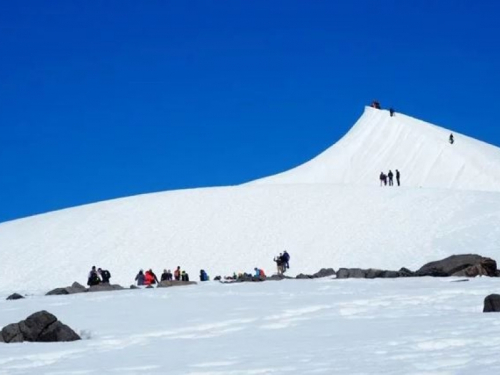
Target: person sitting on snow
pixel 93 278
pixel 105 275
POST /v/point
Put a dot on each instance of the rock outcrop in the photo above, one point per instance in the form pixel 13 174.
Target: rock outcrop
pixel 41 326
pixel 467 265
pixel 171 283
pixel 492 303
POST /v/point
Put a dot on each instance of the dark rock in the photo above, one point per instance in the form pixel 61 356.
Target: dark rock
pixel 460 265
pixel 492 303
pixel 73 289
pixel 32 327
pixel 170 283
pixel 278 277
pixel 1 337
pixel 373 273
pixel 459 281
pixel 105 287
pixel 302 276
pixel 324 272
pixel 134 287
pixel 343 273
pixel 14 296
pixel 58 332
pixel 150 287
pixel 390 274
pixel 217 278
pixel 41 326
pixel 405 272
pixel 12 333
pixel 348 273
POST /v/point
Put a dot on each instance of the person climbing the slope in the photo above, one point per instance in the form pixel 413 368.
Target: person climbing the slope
pixel 105 275
pixel 391 111
pixel 390 175
pixel 398 176
pixel 452 139
pixel 93 278
pixel 140 278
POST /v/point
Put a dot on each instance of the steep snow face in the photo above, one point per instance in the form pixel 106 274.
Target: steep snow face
pixel 419 150
pixel 236 229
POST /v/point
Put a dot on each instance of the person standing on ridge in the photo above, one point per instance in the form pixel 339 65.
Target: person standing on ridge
pixel 383 179
pixel 390 175
pixel 286 259
pixel 398 176
pixel 452 139
pixel 391 111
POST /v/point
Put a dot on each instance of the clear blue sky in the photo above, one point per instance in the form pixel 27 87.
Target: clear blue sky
pixel 106 99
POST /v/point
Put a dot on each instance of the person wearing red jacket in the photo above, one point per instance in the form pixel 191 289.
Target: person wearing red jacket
pixel 150 278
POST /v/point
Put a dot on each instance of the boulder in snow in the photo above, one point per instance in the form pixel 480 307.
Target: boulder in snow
pixel 105 287
pixel 41 326
pixel 170 283
pixel 14 296
pixel 492 303
pixel 460 265
pixel 73 289
pixel 324 272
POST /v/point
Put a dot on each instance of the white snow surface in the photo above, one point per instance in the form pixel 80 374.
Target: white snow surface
pixel 330 212
pixel 400 326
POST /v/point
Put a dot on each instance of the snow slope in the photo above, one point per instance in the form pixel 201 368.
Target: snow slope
pixel 322 212
pixel 390 327
pixel 421 152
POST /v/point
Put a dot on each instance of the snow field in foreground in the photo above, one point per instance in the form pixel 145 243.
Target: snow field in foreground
pixel 400 326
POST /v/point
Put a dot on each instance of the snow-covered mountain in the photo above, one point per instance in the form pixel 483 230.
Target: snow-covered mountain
pixel 330 212
pixel 419 150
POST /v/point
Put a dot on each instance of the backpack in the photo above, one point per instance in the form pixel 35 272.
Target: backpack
pixel 261 273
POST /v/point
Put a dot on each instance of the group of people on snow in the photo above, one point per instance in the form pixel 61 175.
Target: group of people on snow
pixel 149 278
pixel 98 276
pixel 388 179
pixel 376 104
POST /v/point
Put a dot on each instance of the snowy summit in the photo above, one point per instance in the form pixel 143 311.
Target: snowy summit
pixel 328 212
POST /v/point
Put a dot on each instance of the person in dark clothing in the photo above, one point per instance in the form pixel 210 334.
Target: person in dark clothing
pixel 383 179
pixel 184 276
pixel 280 264
pixel 105 275
pixel 390 175
pixel 391 112
pixel 140 278
pixel 93 278
pixel 177 273
pixel 452 139
pixel 203 275
pixel 286 260
pixel 164 275
pixel 375 104
pixel 398 176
